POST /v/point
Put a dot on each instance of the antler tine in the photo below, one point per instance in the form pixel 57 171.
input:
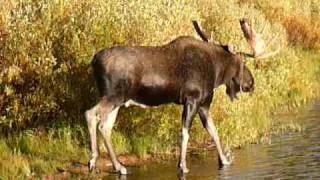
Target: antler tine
pixel 211 37
pixel 266 55
pixel 203 36
pixel 264 28
pixel 272 39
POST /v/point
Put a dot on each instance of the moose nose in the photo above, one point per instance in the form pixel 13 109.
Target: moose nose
pixel 248 89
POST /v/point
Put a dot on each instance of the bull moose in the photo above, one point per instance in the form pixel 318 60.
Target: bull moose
pixel 184 71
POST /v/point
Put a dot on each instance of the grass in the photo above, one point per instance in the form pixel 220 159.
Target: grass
pixel 32 154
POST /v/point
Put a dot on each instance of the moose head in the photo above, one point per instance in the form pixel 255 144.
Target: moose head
pixel 244 82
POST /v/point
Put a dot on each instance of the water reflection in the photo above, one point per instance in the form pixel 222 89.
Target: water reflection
pixel 295 155
pixel 291 156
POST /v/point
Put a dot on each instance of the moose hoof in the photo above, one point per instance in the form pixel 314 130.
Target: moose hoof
pixel 122 170
pixel 184 170
pixel 91 166
pixel 224 163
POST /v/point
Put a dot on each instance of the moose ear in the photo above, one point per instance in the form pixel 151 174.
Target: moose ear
pixel 225 47
pixel 229 48
pixel 232 48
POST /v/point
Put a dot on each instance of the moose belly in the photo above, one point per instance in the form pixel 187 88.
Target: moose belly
pixel 156 90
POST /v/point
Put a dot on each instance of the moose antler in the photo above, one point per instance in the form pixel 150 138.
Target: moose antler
pixel 203 36
pixel 255 41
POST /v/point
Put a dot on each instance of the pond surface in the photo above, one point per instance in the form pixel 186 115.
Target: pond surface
pixel 289 156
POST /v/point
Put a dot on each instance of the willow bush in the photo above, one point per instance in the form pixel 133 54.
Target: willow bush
pixel 46 47
pixel 300 19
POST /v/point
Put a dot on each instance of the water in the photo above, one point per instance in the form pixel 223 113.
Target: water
pixel 289 156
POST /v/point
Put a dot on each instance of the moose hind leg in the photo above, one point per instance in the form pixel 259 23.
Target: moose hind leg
pixel 92 121
pixel 209 126
pixel 189 111
pixel 105 128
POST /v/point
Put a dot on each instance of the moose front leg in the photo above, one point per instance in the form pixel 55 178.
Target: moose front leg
pixel 210 127
pixel 189 110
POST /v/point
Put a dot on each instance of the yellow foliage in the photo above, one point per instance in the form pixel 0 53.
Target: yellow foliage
pixel 46 48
